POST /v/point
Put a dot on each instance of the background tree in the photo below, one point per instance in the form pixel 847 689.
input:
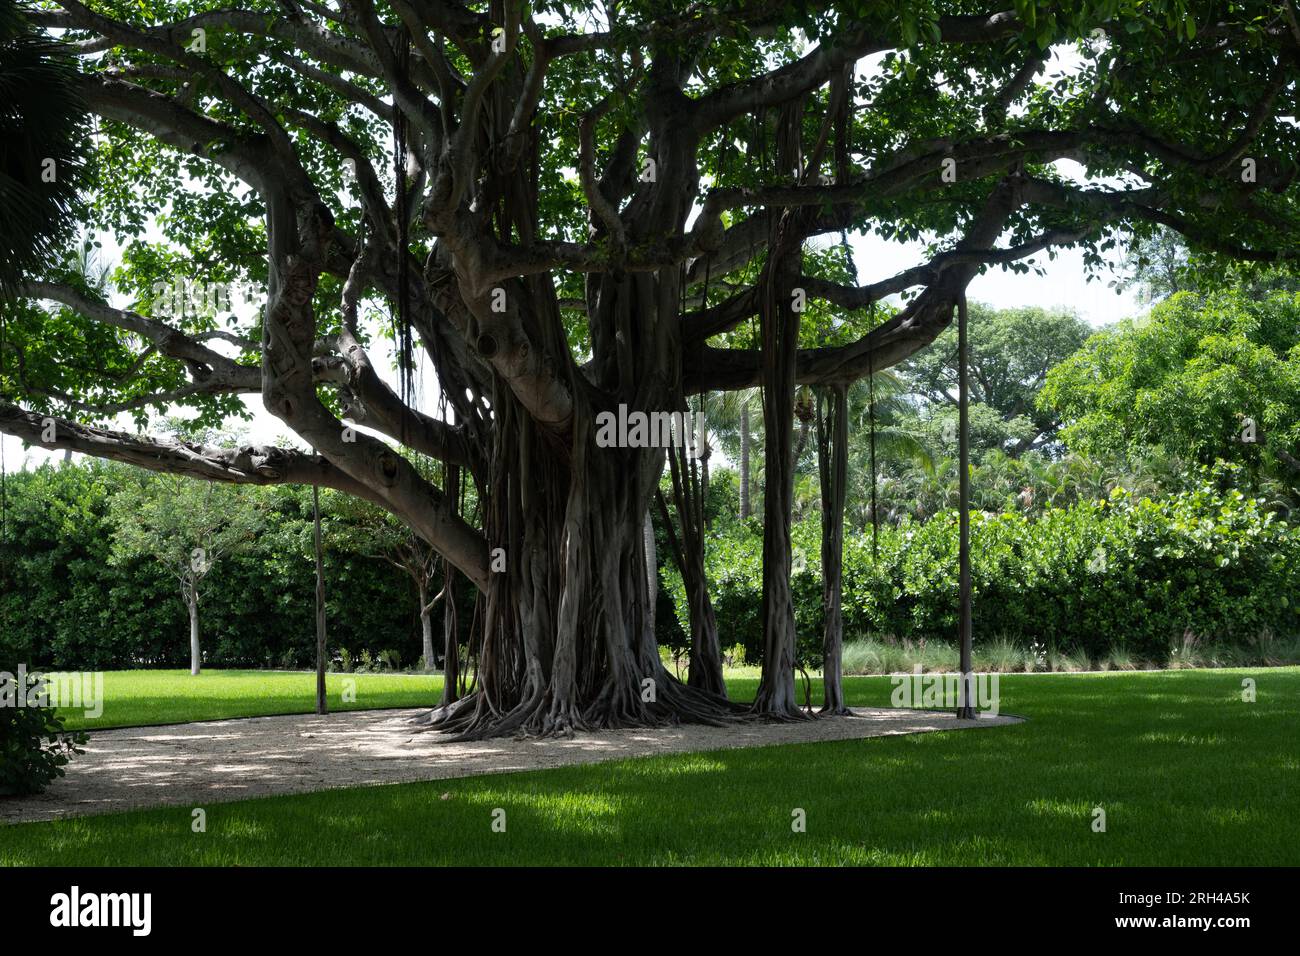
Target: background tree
pixel 732 420
pixel 1011 351
pixel 65 606
pixel 374 532
pixel 188 528
pixel 1157 265
pixel 1200 378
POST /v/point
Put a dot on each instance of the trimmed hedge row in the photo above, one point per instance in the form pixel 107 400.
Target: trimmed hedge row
pixel 63 605
pixel 1117 575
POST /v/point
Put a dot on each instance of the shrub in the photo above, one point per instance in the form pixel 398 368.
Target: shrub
pixel 33 745
pixel 1125 579
pixel 1002 656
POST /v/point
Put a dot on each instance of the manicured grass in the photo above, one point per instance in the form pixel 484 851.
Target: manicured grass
pixel 1186 771
pixel 144 698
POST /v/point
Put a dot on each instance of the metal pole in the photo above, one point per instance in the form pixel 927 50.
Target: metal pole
pixel 322 705
pixel 871 414
pixel 965 707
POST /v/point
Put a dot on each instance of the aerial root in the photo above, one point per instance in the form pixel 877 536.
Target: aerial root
pixel 471 718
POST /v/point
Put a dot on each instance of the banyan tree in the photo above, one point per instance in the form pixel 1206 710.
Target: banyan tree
pixel 567 210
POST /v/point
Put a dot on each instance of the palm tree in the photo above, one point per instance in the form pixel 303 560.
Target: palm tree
pixel 732 419
pixel 882 440
pixel 42 142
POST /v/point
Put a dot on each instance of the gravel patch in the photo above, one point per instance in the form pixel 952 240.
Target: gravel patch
pixel 217 761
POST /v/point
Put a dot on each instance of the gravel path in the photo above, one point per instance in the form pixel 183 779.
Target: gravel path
pixel 214 761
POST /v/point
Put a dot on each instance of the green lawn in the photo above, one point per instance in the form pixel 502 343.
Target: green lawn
pixel 1187 773
pixel 143 698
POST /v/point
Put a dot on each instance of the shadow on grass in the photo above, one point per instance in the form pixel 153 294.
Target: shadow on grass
pixel 1186 772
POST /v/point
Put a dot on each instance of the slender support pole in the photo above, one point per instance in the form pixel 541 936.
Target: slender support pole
pixel 322 704
pixel 965 701
pixel 871 415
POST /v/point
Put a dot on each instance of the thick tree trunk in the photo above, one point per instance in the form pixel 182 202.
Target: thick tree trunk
pixel 568 642
pixel 745 510
pixel 780 331
pixel 196 658
pixel 832 462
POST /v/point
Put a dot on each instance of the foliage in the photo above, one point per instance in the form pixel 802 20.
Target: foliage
pixel 1010 353
pixel 1203 378
pixel 1122 573
pixel 33 746
pixel 1157 265
pixel 914 417
pixel 65 603
pixel 42 142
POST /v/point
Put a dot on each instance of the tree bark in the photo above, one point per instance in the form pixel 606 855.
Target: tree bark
pixel 196 658
pixel 780 332
pixel 426 629
pixel 832 460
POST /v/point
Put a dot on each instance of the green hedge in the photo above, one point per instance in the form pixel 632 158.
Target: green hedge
pixel 63 605
pixel 1212 562
pixel 1118 575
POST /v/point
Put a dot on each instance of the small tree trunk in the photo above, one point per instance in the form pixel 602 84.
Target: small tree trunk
pixel 965 707
pixel 744 460
pixel 450 626
pixel 705 671
pixel 705 453
pixel 426 628
pixel 196 658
